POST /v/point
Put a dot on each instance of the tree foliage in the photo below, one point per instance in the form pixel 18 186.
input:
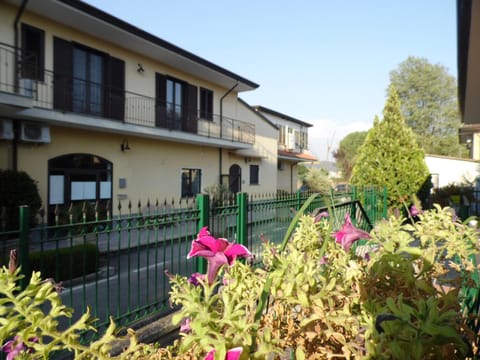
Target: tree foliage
pixel 317 180
pixel 391 157
pixel 346 153
pixel 428 94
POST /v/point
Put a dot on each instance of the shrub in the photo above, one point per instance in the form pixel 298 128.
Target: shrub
pixel 319 297
pixel 30 323
pixel 390 157
pixel 18 188
pixel 66 263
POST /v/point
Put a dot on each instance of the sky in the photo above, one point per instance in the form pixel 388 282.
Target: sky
pixel 320 61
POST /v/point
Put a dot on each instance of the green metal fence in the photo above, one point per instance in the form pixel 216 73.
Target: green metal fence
pixel 116 265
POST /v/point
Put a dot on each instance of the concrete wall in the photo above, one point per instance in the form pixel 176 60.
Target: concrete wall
pixel 447 170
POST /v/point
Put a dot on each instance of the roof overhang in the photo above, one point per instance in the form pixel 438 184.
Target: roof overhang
pixel 468 52
pixel 88 19
pixel 296 157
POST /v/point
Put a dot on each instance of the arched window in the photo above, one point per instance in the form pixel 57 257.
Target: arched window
pixel 235 178
pixel 79 178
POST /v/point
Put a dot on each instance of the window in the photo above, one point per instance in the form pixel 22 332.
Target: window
pixel 254 172
pixel 87 81
pixel 88 76
pixel 174 104
pixel 191 182
pixel 206 104
pixel 33 41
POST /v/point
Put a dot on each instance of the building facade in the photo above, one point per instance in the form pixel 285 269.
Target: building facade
pixel 96 110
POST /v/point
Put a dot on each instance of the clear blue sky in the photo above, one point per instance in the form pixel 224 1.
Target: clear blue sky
pixel 321 61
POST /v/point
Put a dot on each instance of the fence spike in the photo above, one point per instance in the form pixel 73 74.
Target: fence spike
pixel 70 212
pixel 97 207
pixel 84 211
pixel 130 206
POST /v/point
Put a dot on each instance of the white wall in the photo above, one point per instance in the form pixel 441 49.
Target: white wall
pixel 447 170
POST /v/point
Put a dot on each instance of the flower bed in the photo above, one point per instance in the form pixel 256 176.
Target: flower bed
pixel 320 295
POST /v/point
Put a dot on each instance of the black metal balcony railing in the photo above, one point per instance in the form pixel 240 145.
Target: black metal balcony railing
pixel 57 92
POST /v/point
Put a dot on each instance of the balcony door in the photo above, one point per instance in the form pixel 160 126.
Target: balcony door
pixel 88 75
pixel 88 81
pixel 176 104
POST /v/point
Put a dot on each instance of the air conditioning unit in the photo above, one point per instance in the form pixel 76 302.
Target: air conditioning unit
pixel 281 165
pixel 6 129
pixel 31 132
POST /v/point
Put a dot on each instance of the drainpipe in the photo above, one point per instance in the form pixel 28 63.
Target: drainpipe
pixel 291 178
pixel 16 80
pixel 221 130
pixel 221 107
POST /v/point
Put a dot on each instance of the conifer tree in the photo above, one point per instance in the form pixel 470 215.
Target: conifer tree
pixel 391 157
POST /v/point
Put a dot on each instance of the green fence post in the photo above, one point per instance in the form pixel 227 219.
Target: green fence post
pixel 242 219
pixel 203 202
pixel 354 197
pixel 299 200
pixel 24 227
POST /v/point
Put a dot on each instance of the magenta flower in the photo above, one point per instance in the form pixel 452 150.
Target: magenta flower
pixel 320 216
pixel 16 346
pixel 232 354
pixel 218 252
pixel 348 234
pixel 185 327
pixel 196 278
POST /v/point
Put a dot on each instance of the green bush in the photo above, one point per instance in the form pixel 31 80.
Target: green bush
pixel 390 157
pixel 18 188
pixel 65 263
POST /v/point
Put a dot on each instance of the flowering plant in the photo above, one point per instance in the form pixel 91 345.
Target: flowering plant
pixel 398 296
pixel 29 322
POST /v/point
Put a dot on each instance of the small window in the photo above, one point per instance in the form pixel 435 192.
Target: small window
pixel 254 172
pixel 33 42
pixel 191 182
pixel 206 104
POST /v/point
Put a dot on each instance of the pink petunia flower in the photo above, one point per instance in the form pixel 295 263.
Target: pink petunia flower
pixel 232 354
pixel 196 278
pixel 16 346
pixel 348 234
pixel 185 327
pixel 217 252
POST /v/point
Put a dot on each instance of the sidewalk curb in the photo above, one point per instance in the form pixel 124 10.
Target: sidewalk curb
pixel 162 331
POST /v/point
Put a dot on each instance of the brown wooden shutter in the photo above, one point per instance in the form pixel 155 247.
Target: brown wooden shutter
pixel 63 71
pixel 115 89
pixel 190 118
pixel 161 100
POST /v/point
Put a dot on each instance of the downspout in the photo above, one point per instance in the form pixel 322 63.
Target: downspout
pixel 291 178
pixel 220 169
pixel 16 80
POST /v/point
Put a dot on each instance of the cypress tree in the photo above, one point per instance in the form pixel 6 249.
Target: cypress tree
pixel 390 156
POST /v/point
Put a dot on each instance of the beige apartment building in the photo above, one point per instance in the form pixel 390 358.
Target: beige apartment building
pixel 97 110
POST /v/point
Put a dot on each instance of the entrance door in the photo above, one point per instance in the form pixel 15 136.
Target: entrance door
pixel 235 179
pixel 79 180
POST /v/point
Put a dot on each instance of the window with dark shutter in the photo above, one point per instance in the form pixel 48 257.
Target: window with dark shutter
pixel 115 90
pixel 62 68
pixel 161 101
pixel 33 52
pixel 190 116
pixel 254 173
pixel 206 104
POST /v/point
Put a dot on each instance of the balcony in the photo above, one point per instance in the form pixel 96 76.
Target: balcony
pixel 47 90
